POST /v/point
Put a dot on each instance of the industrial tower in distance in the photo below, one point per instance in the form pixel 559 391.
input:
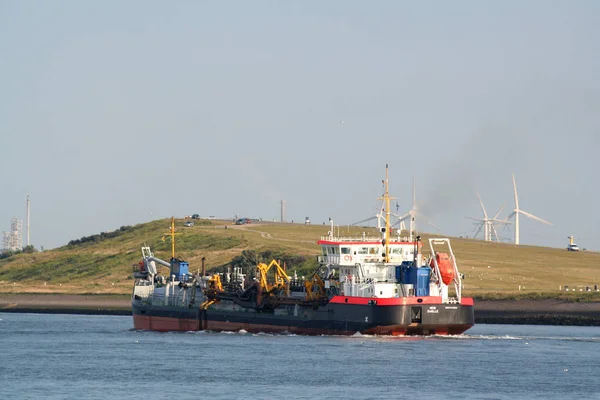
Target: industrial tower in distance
pixel 28 215
pixel 282 210
pixel 13 240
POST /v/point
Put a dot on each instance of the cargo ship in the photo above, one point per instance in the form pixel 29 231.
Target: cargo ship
pixel 381 285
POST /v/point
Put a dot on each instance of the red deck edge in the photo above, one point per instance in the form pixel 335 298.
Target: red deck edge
pixel 466 301
pixel 394 301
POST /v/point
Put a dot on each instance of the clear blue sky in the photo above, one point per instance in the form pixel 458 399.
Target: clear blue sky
pixel 117 112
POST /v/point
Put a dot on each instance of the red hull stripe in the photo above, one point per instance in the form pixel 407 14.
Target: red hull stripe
pixel 164 324
pixel 394 301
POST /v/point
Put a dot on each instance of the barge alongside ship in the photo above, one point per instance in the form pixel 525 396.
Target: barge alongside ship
pixel 379 285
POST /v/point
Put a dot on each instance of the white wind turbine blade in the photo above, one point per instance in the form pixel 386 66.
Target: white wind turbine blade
pixel 475 219
pixel 500 221
pixel 400 219
pixel 515 190
pixel 534 217
pixel 499 211
pixel 365 220
pixel 428 222
pixel 438 229
pixel 481 204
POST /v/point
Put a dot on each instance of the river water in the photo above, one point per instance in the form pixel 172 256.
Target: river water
pixel 45 356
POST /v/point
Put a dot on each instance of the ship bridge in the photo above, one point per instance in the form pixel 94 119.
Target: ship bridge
pixel 364 250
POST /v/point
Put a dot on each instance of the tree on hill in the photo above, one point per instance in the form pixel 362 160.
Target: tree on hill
pixel 9 253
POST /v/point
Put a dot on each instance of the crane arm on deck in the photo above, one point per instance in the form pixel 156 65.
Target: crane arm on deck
pixel 315 287
pixel 281 277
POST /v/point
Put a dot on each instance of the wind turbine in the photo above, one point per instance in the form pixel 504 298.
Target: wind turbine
pixel 487 223
pixel 518 211
pixel 400 219
pixel 411 215
pixel 378 217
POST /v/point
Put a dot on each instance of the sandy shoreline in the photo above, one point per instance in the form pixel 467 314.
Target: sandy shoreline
pixel 551 312
pixel 537 312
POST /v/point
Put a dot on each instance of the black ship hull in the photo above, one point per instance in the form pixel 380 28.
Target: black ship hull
pixel 342 315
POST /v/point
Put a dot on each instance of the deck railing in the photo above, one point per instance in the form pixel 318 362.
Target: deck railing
pixel 393 239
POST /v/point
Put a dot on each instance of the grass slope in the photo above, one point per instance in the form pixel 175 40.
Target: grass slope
pixel 491 269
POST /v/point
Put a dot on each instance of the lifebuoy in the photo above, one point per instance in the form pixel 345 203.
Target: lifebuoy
pixel 347 258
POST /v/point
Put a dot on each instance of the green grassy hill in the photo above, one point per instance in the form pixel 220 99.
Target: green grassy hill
pixel 103 264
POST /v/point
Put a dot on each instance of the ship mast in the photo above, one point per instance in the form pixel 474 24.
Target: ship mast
pixel 386 198
pixel 172 234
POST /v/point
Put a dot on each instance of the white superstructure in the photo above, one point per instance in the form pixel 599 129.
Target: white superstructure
pixel 363 271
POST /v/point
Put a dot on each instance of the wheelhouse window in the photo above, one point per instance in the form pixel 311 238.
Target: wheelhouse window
pixel 363 250
pixel 345 250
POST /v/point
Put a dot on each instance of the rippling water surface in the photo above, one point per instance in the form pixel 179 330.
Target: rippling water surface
pixel 101 357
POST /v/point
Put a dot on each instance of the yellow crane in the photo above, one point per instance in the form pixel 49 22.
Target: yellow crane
pixel 214 283
pixel 212 291
pixel 315 288
pixel 281 277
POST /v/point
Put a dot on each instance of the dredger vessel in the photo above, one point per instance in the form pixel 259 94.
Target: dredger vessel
pixel 383 285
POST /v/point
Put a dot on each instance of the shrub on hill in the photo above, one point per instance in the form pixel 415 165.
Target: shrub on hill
pixel 9 253
pixel 101 236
